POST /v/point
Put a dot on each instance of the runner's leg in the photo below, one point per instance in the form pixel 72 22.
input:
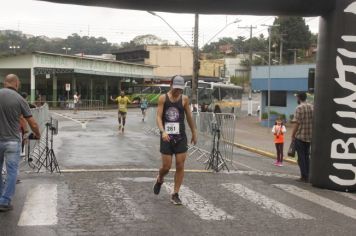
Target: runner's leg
pixel 123 121
pixel 178 177
pixel 119 119
pixel 166 166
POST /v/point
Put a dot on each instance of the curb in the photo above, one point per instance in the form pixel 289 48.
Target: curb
pixel 263 153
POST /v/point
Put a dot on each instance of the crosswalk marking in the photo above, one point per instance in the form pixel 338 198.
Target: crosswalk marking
pixel 114 195
pixel 348 195
pixel 337 207
pixel 267 203
pixel 198 205
pixel 40 206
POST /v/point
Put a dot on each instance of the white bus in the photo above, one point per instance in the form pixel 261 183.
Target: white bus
pixel 226 96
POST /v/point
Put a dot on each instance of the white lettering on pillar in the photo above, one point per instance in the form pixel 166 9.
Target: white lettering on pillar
pixel 348 101
pixel 346 155
pixel 341 70
pixel 341 128
pixel 349 38
pixel 351 8
pixel 344 182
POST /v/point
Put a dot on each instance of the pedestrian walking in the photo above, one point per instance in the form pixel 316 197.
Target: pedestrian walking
pixel 76 100
pixel 122 101
pixel 171 110
pixel 278 131
pixel 144 105
pixel 302 134
pixel 12 107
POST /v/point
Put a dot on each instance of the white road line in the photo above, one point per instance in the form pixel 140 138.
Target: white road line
pixel 348 195
pixel 322 201
pixel 261 173
pixel 83 124
pixel 40 206
pixel 244 165
pixel 267 203
pixel 115 196
pixel 198 205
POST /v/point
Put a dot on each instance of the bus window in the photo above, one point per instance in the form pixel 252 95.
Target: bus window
pixel 216 94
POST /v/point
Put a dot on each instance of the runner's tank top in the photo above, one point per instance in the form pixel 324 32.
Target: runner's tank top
pixel 174 112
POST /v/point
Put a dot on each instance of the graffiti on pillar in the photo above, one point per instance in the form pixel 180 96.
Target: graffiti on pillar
pixel 344 81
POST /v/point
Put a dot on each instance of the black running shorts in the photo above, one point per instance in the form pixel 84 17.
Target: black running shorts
pixel 122 113
pixel 173 146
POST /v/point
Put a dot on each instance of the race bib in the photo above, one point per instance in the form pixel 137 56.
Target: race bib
pixel 171 127
pixel 122 106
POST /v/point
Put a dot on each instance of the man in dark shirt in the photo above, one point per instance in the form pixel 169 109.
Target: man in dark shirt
pixel 302 134
pixel 172 110
pixel 12 107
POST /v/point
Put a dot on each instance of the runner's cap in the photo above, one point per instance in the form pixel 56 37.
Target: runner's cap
pixel 178 82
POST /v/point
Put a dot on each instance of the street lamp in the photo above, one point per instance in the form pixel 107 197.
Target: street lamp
pixel 66 49
pixel 14 47
pixel 234 22
pixel 154 14
pixel 269 72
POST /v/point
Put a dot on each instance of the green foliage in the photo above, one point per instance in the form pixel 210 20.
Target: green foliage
pixel 264 116
pixel 239 80
pixel 295 34
pixel 77 43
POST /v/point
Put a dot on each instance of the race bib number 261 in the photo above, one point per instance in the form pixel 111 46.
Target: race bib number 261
pixel 172 128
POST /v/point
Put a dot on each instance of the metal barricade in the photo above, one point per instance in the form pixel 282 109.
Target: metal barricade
pixel 83 104
pixel 204 121
pixel 41 116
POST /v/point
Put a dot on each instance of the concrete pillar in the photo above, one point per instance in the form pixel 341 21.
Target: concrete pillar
pixel 74 84
pixel 54 86
pixel 106 91
pixel 91 88
pixel 33 85
pixel 119 85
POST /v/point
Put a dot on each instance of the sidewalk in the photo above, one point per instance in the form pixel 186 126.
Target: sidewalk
pixel 253 137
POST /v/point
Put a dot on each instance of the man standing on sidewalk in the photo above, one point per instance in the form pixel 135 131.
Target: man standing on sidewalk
pixel 302 134
pixel 12 106
pixel 122 101
pixel 171 110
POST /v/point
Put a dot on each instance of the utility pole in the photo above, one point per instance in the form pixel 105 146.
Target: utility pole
pixel 195 62
pixel 295 54
pixel 249 107
pixel 281 49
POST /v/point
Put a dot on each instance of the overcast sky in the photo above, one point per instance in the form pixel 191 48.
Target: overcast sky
pixel 57 20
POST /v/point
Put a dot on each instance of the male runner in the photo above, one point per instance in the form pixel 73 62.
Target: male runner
pixel 171 110
pixel 144 105
pixel 122 101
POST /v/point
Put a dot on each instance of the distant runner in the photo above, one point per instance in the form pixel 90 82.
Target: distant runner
pixel 144 105
pixel 171 110
pixel 122 101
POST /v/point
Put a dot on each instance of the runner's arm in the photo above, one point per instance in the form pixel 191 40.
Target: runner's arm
pixel 190 121
pixel 114 100
pixel 34 126
pixel 159 121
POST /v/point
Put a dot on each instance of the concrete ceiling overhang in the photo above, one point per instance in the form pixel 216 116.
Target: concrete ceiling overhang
pixel 241 7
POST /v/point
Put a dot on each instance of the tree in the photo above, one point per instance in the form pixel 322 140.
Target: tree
pixel 295 34
pixel 147 39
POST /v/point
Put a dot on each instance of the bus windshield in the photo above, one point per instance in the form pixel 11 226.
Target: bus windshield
pixel 151 92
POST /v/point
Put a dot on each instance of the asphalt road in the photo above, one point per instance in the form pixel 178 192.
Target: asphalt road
pixel 106 189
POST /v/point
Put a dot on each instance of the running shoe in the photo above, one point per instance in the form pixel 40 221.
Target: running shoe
pixel 157 187
pixel 175 199
pixel 4 208
pixel 279 164
pixel 276 163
